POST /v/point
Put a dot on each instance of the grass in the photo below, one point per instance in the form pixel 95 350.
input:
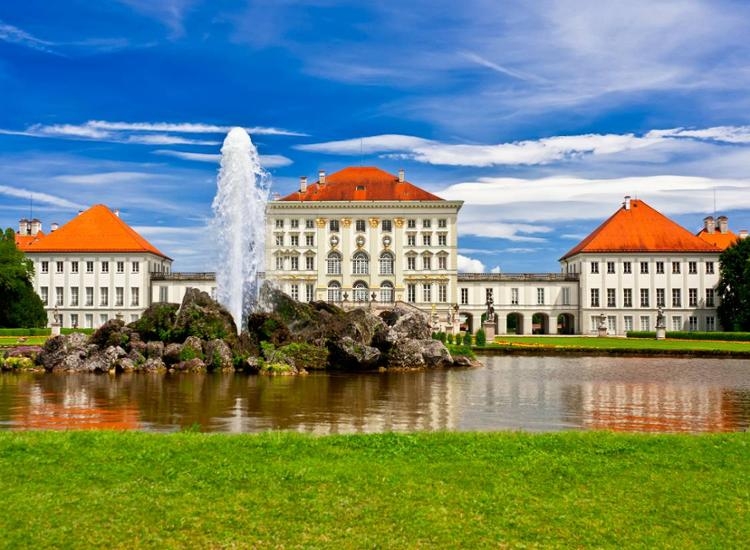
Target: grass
pixel 638 345
pixel 9 341
pixel 281 490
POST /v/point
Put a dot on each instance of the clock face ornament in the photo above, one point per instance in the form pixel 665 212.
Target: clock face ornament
pixel 360 241
pixel 334 241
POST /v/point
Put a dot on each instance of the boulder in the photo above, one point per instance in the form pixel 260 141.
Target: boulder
pixel 406 353
pixel 191 365
pixel 172 353
pixel 201 316
pixel 154 349
pixel 64 352
pixel 218 355
pixel 126 364
pixel 154 364
pixel 191 348
pixel 434 353
pixel 347 353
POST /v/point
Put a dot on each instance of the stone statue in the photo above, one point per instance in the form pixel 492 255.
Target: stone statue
pixel 660 320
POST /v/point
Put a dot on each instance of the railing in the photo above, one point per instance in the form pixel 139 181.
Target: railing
pixel 518 277
pixel 183 276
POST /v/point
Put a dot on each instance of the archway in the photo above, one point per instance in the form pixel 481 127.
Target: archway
pixel 566 323
pixel 514 324
pixel 466 322
pixel 540 323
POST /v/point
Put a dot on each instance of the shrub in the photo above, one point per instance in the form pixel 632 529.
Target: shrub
pixel 449 338
pixel 686 335
pixel 25 331
pixel 467 338
pixel 461 350
pixel 481 338
pixel 16 363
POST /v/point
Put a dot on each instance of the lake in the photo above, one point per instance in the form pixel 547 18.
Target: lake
pixel 509 393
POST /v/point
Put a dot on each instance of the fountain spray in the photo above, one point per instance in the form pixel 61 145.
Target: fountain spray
pixel 239 224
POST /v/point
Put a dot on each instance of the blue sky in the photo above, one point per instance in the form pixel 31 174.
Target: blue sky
pixel 540 115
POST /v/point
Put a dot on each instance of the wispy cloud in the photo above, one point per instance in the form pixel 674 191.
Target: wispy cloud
pixel 105 178
pixel 44 198
pixel 267 161
pixel 14 35
pixel 171 13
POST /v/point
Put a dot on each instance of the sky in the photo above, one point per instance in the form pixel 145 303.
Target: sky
pixel 541 116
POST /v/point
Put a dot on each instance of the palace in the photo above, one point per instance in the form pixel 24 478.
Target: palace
pixel 364 237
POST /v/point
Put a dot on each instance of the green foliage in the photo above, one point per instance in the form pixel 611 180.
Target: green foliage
pixel 25 331
pixel 156 322
pixel 449 338
pixel 481 338
pixel 734 287
pixel 641 334
pixel 461 350
pixel 17 363
pixel 300 356
pixel 188 352
pixel 687 335
pixel 19 304
pixel 467 338
pixel 72 330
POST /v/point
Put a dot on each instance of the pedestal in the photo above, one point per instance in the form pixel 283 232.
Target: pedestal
pixel 661 333
pixel 56 329
pixel 601 331
pixel 489 331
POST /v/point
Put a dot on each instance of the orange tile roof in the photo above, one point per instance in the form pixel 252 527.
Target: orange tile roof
pixel 640 229
pixel 98 229
pixel 362 184
pixel 23 241
pixel 720 240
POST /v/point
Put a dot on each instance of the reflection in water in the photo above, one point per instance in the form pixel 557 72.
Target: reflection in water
pixel 527 393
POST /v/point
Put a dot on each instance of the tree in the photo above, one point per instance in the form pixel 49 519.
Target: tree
pixel 19 304
pixel 734 287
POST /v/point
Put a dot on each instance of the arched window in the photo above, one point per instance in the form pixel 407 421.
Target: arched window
pixel 334 263
pixel 360 291
pixel 334 291
pixel 360 263
pixel 386 292
pixel 386 263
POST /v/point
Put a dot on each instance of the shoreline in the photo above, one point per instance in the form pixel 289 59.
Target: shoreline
pixel 603 352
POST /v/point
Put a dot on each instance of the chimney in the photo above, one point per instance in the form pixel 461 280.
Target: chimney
pixel 401 175
pixel 36 226
pixel 626 204
pixel 303 184
pixel 743 234
pixel 80 212
pixel 322 177
pixel 24 227
pixel 117 212
pixel 723 224
pixel 53 226
pixel 709 225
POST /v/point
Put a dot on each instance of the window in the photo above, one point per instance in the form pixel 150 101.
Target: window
pixel 411 293
pixel 45 267
pixel 610 267
pixel 566 296
pixel 74 296
pixel 295 263
pixel 644 297
pixel 709 297
pixel 676 297
pixel 692 297
pixel 386 225
pixel 309 239
pixel 386 292
pixel 676 268
pixel 427 292
pixel 279 263
pixel 74 320
pixel 442 262
pixel 333 263
pixel 594 297
pixel 89 267
pixel 309 264
pixel 514 296
pixel 120 267
pixel 59 267
pixel 279 224
pixel 411 224
pixel 612 324
pixel 294 240
pixel 44 291
pixel 594 267
pixel 74 267
pixel 442 293
pixel 660 267
pixel 411 263
pixel 334 291
pixel 426 263
pixel 102 318
pixel 487 294
pixel 105 267
pixel 464 296
pixel 644 267
pixel 360 264
pixel 386 263
pixel 279 239
pixel 163 294
pixel 89 296
pixel 442 223
pixel 692 323
pixel 676 323
pixel 661 300
pixel 426 223
pixel 627 297
pixel 611 297
pixel 442 239
pixel 294 291
pixel 645 323
pixel 136 267
pixel 103 296
pixel 120 296
pixel 540 296
pixel 294 224
pixel 134 296
pixel 628 320
pixel 333 226
pixel 411 240
pixel 89 317
pixel 360 225
pixel 309 292
pixel 626 267
pixel 426 240
pixel 710 323
pixel 309 224
pixel 692 268
pixel 710 268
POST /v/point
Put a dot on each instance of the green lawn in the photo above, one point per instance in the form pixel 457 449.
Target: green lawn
pixel 190 490
pixel 594 343
pixel 8 341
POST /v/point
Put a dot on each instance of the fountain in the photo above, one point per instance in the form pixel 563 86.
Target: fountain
pixel 238 224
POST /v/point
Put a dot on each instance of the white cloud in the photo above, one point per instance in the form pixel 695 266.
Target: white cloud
pixel 14 35
pixel 469 265
pixel 267 161
pixel 495 269
pixel 184 128
pixel 35 196
pixel 169 12
pixel 372 144
pixel 469 225
pixel 726 134
pixel 166 139
pixel 106 178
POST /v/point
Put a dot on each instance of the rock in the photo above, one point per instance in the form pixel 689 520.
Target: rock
pixel 406 322
pixel 406 353
pixel 126 364
pixel 218 356
pixel 191 365
pixel 154 349
pixel 137 357
pixel 154 364
pixel 434 353
pixel 191 348
pixel 347 353
pixel 64 352
pixel 172 353
pixel 204 318
pixel 112 333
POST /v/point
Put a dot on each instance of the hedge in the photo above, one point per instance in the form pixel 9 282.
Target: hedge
pixel 25 331
pixel 686 335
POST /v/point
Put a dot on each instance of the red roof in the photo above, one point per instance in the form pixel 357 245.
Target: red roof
pixel 23 241
pixel 640 229
pixel 98 229
pixel 362 184
pixel 720 240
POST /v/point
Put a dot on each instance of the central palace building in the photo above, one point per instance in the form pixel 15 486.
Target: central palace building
pixel 364 237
